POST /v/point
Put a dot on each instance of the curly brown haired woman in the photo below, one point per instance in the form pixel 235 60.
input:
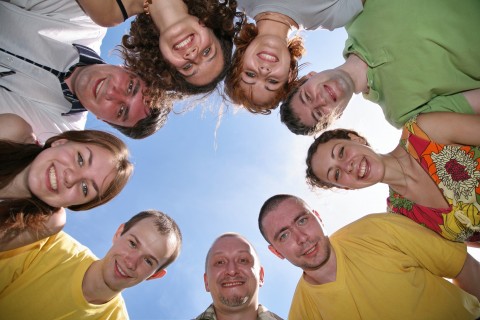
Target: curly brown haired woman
pixel 265 63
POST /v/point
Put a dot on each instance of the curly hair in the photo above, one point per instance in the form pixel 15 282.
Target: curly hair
pixel 140 48
pixel 242 40
pixel 343 134
pixel 17 215
pixel 292 121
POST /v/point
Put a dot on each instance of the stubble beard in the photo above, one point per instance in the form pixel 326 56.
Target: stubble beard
pixel 234 301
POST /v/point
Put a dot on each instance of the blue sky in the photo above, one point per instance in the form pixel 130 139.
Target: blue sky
pixel 213 181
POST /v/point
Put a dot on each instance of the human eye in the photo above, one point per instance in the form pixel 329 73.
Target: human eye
pixel 121 111
pixel 188 66
pixel 132 244
pixel 272 81
pixel 250 74
pixel 130 86
pixel 243 260
pixel 283 237
pixel 148 261
pixel 302 221
pixel 219 262
pixel 80 159
pixel 84 187
pixel 206 51
pixel 340 153
pixel 337 174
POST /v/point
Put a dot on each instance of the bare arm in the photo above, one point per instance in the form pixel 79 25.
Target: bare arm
pixel 469 278
pixel 107 13
pixel 451 127
pixel 14 128
pixel 473 97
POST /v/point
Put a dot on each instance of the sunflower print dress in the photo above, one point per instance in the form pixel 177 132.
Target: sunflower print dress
pixel 456 171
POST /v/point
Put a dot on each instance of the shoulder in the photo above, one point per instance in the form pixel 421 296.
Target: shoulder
pixel 16 129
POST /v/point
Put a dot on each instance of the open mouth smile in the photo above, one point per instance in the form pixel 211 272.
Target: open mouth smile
pixel 184 43
pixel 267 57
pixel 52 178
pixel 331 93
pixel 98 86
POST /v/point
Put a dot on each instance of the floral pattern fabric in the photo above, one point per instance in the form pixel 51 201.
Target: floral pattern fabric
pixel 456 171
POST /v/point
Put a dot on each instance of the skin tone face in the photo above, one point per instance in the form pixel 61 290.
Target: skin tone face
pixel 266 68
pixel 322 94
pixel 193 50
pixel 348 164
pixel 111 93
pixel 136 255
pixel 295 233
pixel 233 273
pixel 70 173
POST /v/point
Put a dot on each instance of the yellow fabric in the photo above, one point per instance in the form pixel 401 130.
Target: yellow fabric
pixel 43 281
pixel 388 267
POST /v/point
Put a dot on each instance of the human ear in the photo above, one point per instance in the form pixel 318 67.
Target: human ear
pixel 119 231
pixel 356 138
pixel 262 274
pixel 275 252
pixel 157 275
pixel 311 74
pixel 205 281
pixel 58 142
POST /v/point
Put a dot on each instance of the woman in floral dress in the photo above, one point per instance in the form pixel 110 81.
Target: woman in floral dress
pixel 433 174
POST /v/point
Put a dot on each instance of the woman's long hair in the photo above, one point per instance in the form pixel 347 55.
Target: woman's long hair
pixel 17 215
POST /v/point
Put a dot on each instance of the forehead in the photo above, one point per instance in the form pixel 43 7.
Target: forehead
pixel 157 244
pixel 283 215
pixel 231 246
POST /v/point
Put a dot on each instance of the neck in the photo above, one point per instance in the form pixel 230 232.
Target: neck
pixel 357 69
pixel 274 23
pixel 18 187
pixel 94 288
pixel 166 13
pixel 244 312
pixel 325 273
pixel 397 169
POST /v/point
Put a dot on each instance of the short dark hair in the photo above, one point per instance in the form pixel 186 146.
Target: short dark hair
pixel 148 125
pixel 165 226
pixel 292 121
pixel 271 204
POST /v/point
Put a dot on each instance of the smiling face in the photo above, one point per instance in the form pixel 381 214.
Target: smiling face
pixel 111 93
pixel 233 273
pixel 71 173
pixel 295 233
pixel 323 94
pixel 136 254
pixel 347 164
pixel 193 50
pixel 266 68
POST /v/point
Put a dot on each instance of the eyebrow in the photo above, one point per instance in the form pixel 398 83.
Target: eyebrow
pixel 277 234
pixel 90 161
pixel 141 245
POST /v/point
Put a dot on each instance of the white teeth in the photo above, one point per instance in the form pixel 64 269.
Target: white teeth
pixel 231 284
pixel 53 178
pixel 121 271
pixel 268 57
pixel 309 251
pixel 184 42
pixel 99 86
pixel 363 168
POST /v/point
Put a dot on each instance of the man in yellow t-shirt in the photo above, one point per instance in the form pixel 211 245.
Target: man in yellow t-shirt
pixel 382 266
pixel 58 278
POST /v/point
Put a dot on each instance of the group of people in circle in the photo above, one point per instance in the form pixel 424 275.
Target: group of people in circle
pixel 422 69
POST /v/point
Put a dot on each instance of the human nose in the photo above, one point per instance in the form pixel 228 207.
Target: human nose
pixel 231 268
pixel 71 177
pixel 300 236
pixel 191 53
pixel 347 166
pixel 131 260
pixel 264 70
pixel 114 93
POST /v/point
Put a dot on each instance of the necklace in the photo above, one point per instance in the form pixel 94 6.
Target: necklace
pixel 404 175
pixel 263 17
